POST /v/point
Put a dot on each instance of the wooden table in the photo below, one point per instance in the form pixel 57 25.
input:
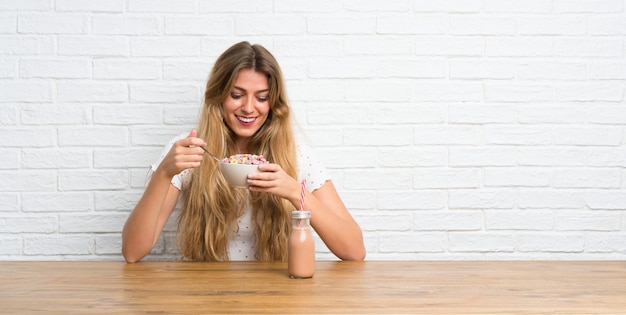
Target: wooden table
pixel 338 287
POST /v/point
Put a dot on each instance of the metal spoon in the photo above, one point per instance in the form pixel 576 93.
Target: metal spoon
pixel 210 154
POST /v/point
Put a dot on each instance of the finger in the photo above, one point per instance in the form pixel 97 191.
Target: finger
pixel 193 133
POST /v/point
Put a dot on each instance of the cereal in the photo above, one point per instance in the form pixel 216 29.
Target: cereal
pixel 245 159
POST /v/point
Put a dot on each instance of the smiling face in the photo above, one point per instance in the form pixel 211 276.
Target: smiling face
pixel 247 107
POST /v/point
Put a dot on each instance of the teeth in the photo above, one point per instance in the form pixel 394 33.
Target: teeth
pixel 246 119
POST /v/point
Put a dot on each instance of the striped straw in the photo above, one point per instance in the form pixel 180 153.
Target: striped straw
pixel 302 195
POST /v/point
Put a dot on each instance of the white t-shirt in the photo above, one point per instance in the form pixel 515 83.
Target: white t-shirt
pixel 242 242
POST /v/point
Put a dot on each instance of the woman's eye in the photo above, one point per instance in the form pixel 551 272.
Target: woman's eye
pixel 263 99
pixel 235 96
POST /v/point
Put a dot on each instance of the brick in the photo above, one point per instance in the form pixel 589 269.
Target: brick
pixel 552 156
pixel 116 201
pixel 205 26
pixel 26 44
pixel 126 25
pixel 8 24
pixel 274 25
pixel 108 46
pixel 112 6
pixel 325 137
pixel 25 91
pixel 606 25
pixel 10 159
pixel 586 178
pixel 587 221
pixel 11 245
pixel 52 24
pixel 516 177
pixel 9 202
pixel 514 6
pixel 348 157
pixel 551 199
pixel 182 6
pixel 606 157
pixel 377 136
pixel 332 68
pixel 411 25
pixel 583 47
pixel 323 25
pixel 8 115
pixel 153 136
pixel 487 156
pixel 482 25
pixel 57 202
pixel 186 70
pixel 476 113
pixel 447 6
pixel 553 114
pixel 358 200
pixel 394 114
pixel 420 68
pixel 164 93
pixel 55 114
pixel 605 242
pixel 483 198
pixel 87 180
pixel 465 135
pixel 462 91
pixel 481 242
pixel 449 46
pixel 411 200
pixel 8 68
pixel 328 6
pixel 436 178
pixel 376 90
pixel 90 91
pixel 605 200
pixel 27 137
pixel 28 224
pixel 448 221
pixel 379 46
pixel 108 244
pixel 523 46
pixel 298 47
pixel 532 220
pixel 127 115
pixel 412 242
pixel 514 135
pixel 386 222
pixel 412 156
pixel 587 136
pixel 551 243
pixel 54 158
pixel 180 115
pixel 479 69
pixel 588 6
pixel 377 6
pixel 609 92
pixel 518 92
pixel 325 113
pixel 377 179
pixel 59 245
pixel 25 5
pixel 124 158
pixel 126 69
pixel 606 70
pixel 93 136
pixel 552 25
pixel 92 223
pixel 55 68
pixel 541 70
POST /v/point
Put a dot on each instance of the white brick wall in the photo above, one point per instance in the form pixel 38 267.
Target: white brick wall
pixel 456 129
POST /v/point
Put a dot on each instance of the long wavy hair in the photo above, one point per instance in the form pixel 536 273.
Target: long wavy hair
pixel 211 207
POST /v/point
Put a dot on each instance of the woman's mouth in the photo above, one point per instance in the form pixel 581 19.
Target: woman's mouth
pixel 245 120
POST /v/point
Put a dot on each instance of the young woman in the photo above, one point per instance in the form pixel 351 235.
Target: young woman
pixel 245 111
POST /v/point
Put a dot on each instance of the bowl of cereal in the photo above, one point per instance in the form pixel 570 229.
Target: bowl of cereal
pixel 236 168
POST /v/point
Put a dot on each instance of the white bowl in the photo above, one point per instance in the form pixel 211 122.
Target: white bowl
pixel 237 174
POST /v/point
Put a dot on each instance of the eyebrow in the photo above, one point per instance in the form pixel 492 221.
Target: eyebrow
pixel 244 90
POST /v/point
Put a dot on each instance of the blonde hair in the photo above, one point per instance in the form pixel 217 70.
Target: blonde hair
pixel 211 207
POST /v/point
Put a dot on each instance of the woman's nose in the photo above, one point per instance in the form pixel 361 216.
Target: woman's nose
pixel 247 105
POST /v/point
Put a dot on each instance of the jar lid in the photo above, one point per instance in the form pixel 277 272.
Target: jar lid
pixel 297 214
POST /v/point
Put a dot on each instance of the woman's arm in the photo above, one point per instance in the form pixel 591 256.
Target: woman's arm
pixel 146 221
pixel 329 216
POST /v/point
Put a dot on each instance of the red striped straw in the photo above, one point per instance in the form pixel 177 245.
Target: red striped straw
pixel 302 195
